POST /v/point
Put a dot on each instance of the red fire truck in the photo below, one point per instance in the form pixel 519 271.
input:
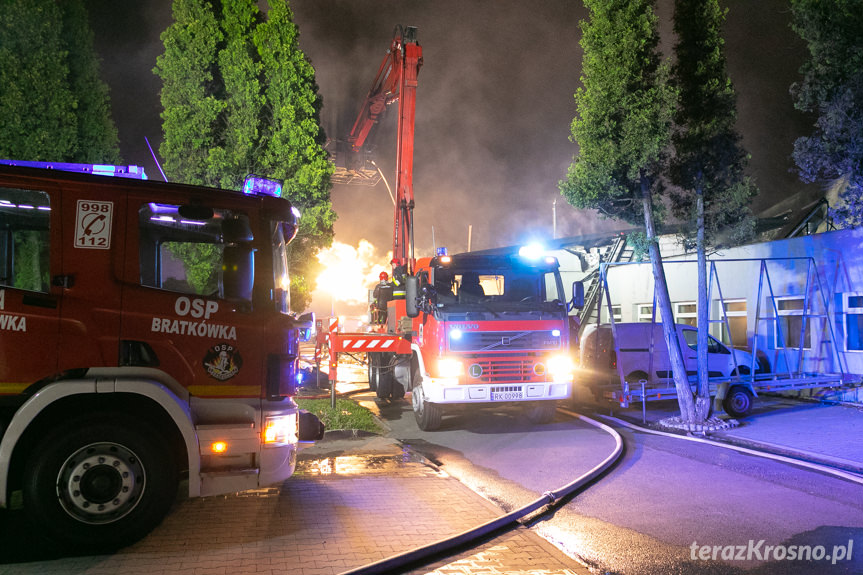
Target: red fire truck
pixel 145 338
pixel 471 329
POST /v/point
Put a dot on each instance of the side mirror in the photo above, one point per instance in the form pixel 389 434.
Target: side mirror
pixel 306 323
pixel 577 295
pixel 238 273
pixel 236 230
pixel 412 288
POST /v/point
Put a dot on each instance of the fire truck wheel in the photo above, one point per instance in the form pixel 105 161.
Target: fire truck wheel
pixel 738 401
pixel 428 415
pixel 374 370
pixel 99 482
pixel 384 387
pixel 541 412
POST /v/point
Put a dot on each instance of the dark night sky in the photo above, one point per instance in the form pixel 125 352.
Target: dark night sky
pixel 494 105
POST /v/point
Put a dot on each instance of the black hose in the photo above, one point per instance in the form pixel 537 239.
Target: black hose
pixel 396 563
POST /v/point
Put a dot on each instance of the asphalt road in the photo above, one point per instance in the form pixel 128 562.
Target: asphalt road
pixel 661 503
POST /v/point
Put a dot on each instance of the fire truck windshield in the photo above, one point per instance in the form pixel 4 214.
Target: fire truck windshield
pixel 497 288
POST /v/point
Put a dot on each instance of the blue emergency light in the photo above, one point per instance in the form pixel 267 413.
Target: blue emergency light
pixel 441 252
pixel 133 172
pixel 532 251
pixel 257 186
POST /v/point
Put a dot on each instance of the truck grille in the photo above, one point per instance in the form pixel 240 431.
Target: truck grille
pixel 500 370
pixel 505 341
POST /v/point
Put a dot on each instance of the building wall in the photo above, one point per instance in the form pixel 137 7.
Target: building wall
pixel 818 277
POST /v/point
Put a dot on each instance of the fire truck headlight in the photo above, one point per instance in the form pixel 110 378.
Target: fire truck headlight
pixel 449 367
pixel 281 430
pixel 560 368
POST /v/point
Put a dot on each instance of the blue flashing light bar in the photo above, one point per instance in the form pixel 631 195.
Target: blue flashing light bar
pixel 134 172
pixel 532 251
pixel 441 252
pixel 258 186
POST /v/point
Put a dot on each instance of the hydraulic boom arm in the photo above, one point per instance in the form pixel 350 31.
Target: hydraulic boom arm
pixel 396 81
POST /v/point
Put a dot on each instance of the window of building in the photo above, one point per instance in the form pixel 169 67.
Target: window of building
pixel 25 239
pixel 686 312
pixel 852 307
pixel 615 311
pixel 734 314
pixel 644 313
pixel 790 322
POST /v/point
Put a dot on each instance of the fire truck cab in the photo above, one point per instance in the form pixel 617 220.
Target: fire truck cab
pixel 145 337
pixel 486 330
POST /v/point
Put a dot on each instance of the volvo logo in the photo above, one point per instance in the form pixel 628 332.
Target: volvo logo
pixel 464 326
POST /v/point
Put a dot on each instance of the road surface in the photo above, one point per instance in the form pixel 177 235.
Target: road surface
pixel 660 505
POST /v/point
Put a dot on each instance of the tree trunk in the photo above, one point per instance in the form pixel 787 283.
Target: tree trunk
pixel 702 400
pixel 678 369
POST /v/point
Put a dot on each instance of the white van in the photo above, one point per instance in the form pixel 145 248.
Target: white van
pixel 643 355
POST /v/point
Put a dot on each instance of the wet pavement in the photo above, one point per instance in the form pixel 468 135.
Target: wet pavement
pixel 357 499
pixel 352 501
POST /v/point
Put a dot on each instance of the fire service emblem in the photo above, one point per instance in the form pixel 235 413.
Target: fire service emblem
pixel 223 361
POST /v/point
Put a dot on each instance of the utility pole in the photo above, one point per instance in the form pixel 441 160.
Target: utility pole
pixel 554 219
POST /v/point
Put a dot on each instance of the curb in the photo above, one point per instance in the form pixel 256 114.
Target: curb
pixel 764 446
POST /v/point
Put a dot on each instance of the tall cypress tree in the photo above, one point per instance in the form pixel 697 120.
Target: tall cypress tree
pixel 709 162
pixel 832 88
pixel 97 134
pixel 53 106
pixel 240 97
pixel 623 130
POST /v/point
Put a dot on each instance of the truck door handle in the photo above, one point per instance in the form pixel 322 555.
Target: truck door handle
pixel 65 282
pixel 39 301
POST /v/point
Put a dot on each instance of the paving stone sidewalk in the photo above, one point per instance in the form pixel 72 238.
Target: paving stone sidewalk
pixel 341 510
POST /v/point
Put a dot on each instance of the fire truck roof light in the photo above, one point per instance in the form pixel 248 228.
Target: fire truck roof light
pixel 441 252
pixel 136 172
pixel 531 251
pixel 257 186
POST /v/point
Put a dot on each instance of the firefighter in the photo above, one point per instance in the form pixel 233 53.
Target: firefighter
pixel 398 282
pixel 382 294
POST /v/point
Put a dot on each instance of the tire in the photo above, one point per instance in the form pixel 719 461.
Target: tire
pixel 738 401
pixel 428 415
pixel 384 386
pixel 373 371
pixel 398 390
pixel 100 482
pixel 541 413
pixel 635 377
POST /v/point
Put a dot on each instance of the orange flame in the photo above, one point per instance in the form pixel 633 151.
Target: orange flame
pixel 349 273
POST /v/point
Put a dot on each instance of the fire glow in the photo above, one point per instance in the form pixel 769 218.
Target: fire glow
pixel 349 272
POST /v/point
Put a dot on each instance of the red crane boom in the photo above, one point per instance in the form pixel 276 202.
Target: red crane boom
pixel 396 81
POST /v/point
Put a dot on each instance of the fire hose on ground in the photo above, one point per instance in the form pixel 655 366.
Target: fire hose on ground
pixel 397 563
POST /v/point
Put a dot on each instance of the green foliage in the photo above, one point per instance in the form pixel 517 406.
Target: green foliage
pixel 346 415
pixel 624 110
pixel 832 88
pixel 53 106
pixel 31 260
pixel 708 154
pixel 97 134
pixel 240 97
pixel 201 263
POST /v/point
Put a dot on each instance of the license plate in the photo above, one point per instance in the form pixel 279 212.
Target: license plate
pixel 506 395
